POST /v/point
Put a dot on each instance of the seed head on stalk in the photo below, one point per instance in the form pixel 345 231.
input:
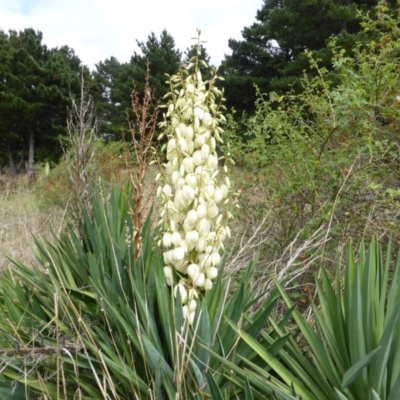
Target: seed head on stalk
pixel 193 190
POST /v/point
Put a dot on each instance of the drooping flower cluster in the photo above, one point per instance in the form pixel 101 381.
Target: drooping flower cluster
pixel 192 190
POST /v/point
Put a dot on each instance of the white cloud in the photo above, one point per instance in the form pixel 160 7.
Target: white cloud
pixel 99 29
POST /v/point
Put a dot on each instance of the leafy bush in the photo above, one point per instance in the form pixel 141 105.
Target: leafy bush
pixel 329 155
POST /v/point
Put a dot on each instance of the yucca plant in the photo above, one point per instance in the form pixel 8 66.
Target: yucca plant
pixel 354 351
pixel 92 322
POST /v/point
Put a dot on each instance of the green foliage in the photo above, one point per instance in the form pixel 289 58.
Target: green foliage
pixel 328 156
pixel 354 351
pixel 35 88
pixel 272 52
pixel 116 80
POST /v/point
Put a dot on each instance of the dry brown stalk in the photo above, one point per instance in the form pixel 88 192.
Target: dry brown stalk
pixel 142 131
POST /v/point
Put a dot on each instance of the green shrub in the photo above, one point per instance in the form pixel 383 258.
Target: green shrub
pixel 328 156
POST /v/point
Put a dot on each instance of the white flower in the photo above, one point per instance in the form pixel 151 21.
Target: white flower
pixel 199 141
pixel 176 238
pixel 167 239
pixel 208 284
pixel 167 191
pixel 190 317
pixel 190 88
pixel 167 257
pixel 188 193
pixel 183 292
pixel 191 180
pixel 192 305
pixel 212 273
pixel 205 151
pixel 178 254
pixel 197 159
pixel 192 190
pixel 189 133
pixel 215 258
pixel 175 177
pixel 188 163
pixel 192 237
pixel 224 190
pixel 201 244
pixel 192 217
pixel 201 211
pixel 218 195
pixel 193 270
pixel 199 280
pixel 168 274
pixel 212 211
pixel 212 162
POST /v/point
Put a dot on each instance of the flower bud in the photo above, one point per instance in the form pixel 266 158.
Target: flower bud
pixel 202 211
pixel 215 258
pixel 224 190
pixel 199 280
pixel 174 177
pixel 188 163
pixel 212 162
pixel 201 244
pixel 197 159
pixel 193 270
pixel 178 254
pixel 191 180
pixel 212 273
pixel 167 257
pixel 168 275
pixel 192 217
pixel 203 226
pixel 191 238
pixel 188 193
pixel 167 239
pixel 167 191
pixel 190 88
pixel 199 141
pixel 208 284
pixel 218 195
pixel 192 305
pixel 176 238
pixel 182 291
pixel 189 133
pixel 212 211
pixel 190 317
pixel 205 151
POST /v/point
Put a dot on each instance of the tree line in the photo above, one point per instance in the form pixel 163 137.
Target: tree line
pixel 36 82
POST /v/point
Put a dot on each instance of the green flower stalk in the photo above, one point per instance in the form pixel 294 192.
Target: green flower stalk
pixel 193 189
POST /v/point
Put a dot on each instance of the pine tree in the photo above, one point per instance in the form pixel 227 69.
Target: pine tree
pixel 272 52
pixel 35 88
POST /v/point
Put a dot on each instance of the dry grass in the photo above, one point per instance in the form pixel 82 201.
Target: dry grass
pixel 21 216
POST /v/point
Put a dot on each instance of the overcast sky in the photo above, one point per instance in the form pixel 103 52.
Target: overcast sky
pixel 99 29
